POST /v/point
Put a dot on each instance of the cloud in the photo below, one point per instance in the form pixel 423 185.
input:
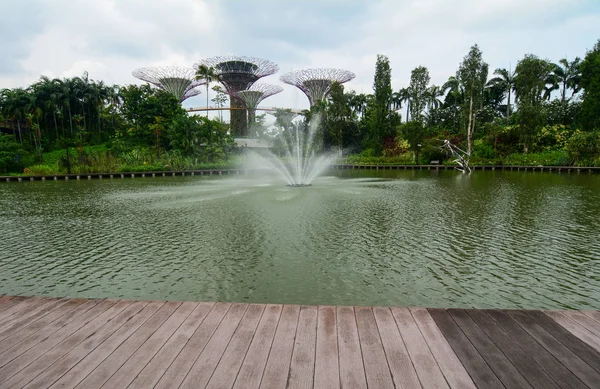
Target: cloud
pixel 110 38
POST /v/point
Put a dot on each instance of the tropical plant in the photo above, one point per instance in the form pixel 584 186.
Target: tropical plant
pixel 206 73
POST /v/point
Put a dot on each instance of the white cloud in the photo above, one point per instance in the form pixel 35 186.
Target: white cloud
pixel 110 38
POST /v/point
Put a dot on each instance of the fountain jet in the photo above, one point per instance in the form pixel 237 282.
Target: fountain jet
pixel 302 162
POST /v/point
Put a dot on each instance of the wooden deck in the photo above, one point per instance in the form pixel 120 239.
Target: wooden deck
pixel 81 343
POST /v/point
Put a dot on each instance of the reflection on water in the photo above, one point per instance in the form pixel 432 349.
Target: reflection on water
pixel 441 239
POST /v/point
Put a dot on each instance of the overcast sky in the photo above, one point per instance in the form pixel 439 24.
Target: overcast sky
pixel 110 38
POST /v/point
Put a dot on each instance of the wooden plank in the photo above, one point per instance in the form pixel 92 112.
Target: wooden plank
pixel 252 369
pixel 447 360
pixel 136 363
pixel 110 365
pixel 53 334
pixel 65 311
pixel 327 368
pixel 278 363
pixel 427 369
pixel 576 328
pixel 178 370
pixel 585 321
pixel 159 364
pixel 374 359
pixel 525 364
pixel 401 367
pixel 12 312
pixel 43 361
pixel 16 326
pixel 4 301
pixel 302 366
pixel 504 369
pixel 8 301
pixel 56 365
pixel 352 371
pixel 579 347
pixel 592 314
pixel 102 312
pixel 205 365
pixel 553 367
pixel 567 357
pixel 478 369
pixel 226 371
pixel 98 355
pixel 29 315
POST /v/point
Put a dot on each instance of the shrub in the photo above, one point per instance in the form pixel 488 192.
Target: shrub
pixel 584 147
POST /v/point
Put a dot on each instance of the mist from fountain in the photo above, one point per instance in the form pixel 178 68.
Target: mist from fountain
pixel 302 163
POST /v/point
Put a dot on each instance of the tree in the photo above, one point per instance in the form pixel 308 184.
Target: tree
pixel 208 74
pixel 339 116
pixel 530 81
pixel 220 99
pixel 590 82
pixel 471 75
pixel 419 79
pixel 565 75
pixel 404 97
pixel 432 99
pixel 506 81
pixel 380 118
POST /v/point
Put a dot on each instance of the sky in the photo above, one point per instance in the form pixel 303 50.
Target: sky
pixel 111 38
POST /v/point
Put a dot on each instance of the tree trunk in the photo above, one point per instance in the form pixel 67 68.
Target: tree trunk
pixel 564 91
pixel 469 133
pixel 407 105
pixel 508 108
pixel 55 124
pixel 19 127
pixel 70 120
pixel 207 98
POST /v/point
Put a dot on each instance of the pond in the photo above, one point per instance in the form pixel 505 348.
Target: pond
pixel 402 238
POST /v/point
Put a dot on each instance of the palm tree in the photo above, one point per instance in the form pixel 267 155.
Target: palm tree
pixel 206 73
pixel 565 75
pixel 15 103
pixel 396 101
pixel 432 99
pixel 506 78
pixel 404 97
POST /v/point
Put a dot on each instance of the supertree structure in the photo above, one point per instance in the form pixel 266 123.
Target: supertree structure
pixel 179 81
pixel 238 74
pixel 315 83
pixel 254 95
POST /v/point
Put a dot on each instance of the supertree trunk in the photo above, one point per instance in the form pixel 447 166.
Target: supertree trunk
pixel 239 121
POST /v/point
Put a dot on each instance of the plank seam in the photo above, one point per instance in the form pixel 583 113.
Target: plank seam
pixel 474 348
pixel 270 348
pixel 185 344
pixel 207 342
pixel 249 344
pixel 129 357
pixel 163 345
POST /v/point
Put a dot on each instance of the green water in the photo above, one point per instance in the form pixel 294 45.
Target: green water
pixel 404 238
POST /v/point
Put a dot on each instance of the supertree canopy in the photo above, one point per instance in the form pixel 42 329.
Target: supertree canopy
pixel 255 94
pixel 238 74
pixel 315 83
pixel 179 81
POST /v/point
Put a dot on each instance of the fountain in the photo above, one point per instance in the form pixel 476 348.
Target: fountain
pixel 302 163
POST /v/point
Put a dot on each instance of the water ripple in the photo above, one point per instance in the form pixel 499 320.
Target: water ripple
pixel 492 239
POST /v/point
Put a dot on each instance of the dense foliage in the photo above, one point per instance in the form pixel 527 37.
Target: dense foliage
pixel 105 127
pixel 540 112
